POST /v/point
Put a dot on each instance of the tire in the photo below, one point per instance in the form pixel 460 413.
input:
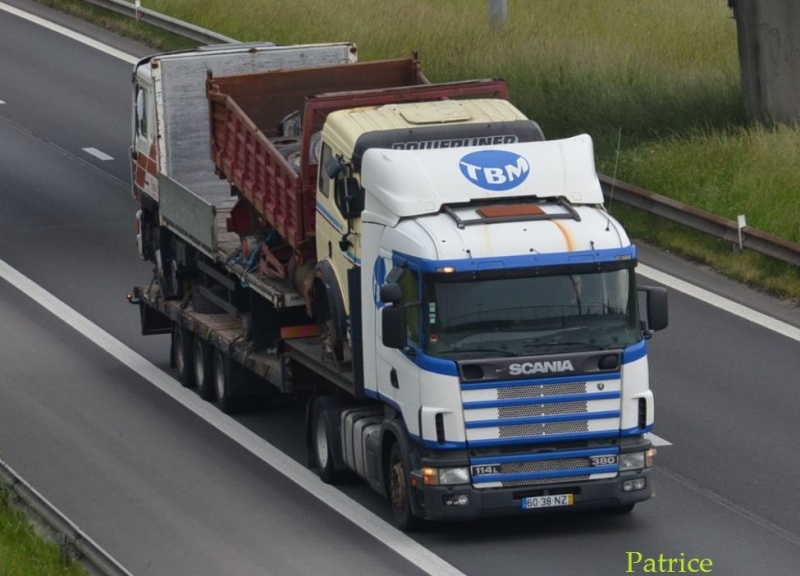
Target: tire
pixel 400 491
pixel 322 445
pixel 222 381
pixel 202 356
pixel 182 356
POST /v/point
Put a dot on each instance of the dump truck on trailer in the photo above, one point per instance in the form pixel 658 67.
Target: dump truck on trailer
pixel 441 283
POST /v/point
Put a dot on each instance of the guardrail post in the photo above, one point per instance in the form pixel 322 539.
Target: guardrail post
pixel 498 13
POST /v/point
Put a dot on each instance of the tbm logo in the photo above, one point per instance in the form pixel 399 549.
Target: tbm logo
pixel 495 170
pixel 541 367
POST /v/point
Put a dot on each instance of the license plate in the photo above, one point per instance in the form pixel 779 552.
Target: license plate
pixel 535 502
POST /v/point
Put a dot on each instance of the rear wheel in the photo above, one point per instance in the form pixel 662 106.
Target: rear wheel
pixel 400 491
pixel 202 369
pixel 182 356
pixel 223 382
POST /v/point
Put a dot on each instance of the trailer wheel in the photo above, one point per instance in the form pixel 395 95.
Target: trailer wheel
pixel 182 354
pixel 202 369
pixel 400 491
pixel 322 445
pixel 223 382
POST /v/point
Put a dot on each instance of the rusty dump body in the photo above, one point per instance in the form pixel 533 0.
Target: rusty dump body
pixel 275 173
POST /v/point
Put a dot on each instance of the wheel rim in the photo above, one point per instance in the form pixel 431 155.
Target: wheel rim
pixel 397 483
pixel 321 436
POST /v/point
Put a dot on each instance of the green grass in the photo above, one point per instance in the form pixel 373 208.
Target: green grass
pixel 22 552
pixel 655 83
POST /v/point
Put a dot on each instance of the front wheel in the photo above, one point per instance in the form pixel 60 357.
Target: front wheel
pixel 400 491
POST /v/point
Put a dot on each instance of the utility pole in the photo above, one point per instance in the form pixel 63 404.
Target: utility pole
pixel 769 56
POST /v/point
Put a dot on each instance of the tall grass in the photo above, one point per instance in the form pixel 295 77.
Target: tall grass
pixel 655 83
pixel 646 68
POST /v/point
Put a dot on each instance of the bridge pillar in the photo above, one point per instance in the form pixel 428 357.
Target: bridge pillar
pixel 769 55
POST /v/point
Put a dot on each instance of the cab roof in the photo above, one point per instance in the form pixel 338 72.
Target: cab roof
pixel 415 182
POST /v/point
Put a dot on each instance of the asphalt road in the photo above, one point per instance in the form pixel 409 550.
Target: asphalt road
pixel 167 492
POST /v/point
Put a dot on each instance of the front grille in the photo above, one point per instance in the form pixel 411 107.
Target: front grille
pixel 540 390
pixel 547 429
pixel 542 481
pixel 530 410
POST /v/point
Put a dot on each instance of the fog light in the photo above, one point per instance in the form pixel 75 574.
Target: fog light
pixel 633 485
pixel 456 500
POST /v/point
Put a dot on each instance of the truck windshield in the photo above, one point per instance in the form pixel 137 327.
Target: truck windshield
pixel 522 316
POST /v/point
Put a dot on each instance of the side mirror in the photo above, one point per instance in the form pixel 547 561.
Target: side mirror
pixel 348 197
pixel 395 333
pixel 333 167
pixel 657 309
pixel 391 293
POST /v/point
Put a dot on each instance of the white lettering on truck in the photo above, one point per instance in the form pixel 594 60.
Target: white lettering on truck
pixel 540 367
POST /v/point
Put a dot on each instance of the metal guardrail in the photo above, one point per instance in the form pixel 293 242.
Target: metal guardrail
pixel 650 202
pixel 696 219
pixel 164 22
pixel 72 543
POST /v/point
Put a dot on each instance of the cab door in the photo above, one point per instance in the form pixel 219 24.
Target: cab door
pixel 144 150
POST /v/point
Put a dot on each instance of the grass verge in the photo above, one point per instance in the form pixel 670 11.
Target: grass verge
pixel 22 552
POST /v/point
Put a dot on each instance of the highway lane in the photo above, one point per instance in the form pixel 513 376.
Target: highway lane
pixel 148 480
pixel 48 98
pixel 703 506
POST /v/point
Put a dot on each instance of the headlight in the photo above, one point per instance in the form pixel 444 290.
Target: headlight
pixel 631 461
pixel 445 476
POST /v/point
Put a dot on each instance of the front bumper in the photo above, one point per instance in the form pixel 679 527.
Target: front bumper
pixel 594 494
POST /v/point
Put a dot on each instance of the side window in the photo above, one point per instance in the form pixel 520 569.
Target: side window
pixel 142 105
pixel 409 285
pixel 323 181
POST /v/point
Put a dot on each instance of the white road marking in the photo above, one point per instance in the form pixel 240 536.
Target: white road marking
pixel 98 154
pixel 415 553
pixel 712 299
pixel 1 102
pixel 70 34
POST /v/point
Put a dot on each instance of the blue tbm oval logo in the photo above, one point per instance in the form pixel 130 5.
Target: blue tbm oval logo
pixel 495 170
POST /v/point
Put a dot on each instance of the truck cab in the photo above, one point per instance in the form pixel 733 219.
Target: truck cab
pixel 510 339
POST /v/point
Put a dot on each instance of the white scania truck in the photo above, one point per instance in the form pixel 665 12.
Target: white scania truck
pixel 440 283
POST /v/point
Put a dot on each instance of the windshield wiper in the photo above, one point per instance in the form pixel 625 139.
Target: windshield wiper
pixel 589 345
pixel 494 323
pixel 474 350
